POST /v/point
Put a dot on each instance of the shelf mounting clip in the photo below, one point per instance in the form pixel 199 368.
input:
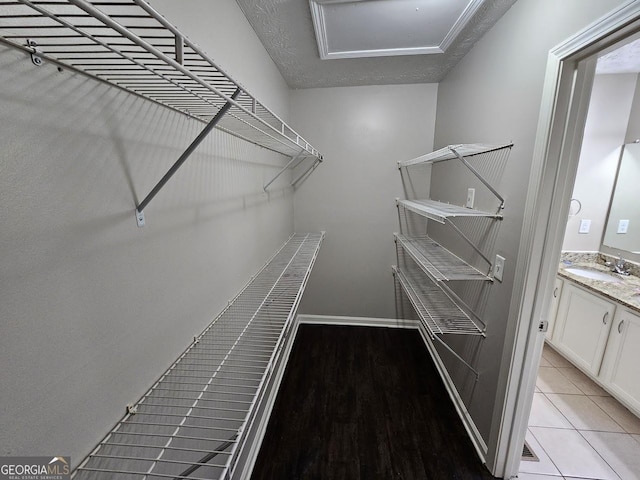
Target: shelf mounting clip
pixel 36 59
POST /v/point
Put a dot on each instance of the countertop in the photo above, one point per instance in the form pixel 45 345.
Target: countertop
pixel 626 293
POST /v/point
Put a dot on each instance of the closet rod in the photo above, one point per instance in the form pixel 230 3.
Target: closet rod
pixel 198 140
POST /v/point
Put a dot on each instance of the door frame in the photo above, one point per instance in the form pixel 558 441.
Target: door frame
pixel 565 100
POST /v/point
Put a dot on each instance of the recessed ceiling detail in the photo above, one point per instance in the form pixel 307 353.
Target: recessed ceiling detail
pixel 381 28
pixel 285 28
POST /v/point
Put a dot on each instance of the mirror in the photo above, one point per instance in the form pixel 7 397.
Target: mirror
pixel 623 223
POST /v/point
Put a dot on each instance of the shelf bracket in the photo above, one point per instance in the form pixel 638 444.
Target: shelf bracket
pixel 313 166
pixel 480 177
pixel 289 163
pixel 455 354
pixel 36 59
pixel 190 149
pixel 471 244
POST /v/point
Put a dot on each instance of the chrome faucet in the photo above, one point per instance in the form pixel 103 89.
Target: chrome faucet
pixel 618 266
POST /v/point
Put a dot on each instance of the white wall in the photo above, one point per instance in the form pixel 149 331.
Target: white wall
pixel 363 132
pixel 604 134
pixel 94 309
pixel 633 129
pixel 493 95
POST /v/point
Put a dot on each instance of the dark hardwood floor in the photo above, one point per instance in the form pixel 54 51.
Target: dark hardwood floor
pixel 364 403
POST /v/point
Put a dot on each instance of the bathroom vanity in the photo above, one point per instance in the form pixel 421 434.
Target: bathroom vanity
pixel 595 323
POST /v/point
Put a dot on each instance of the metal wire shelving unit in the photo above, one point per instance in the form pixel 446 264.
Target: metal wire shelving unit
pixel 425 266
pixel 438 262
pixel 128 44
pixel 193 422
pixel 460 152
pixel 449 153
pixel 442 212
pixel 439 312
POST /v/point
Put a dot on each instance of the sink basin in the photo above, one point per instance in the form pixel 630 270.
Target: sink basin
pixel 593 274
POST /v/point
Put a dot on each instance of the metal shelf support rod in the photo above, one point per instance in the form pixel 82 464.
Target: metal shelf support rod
pixel 471 244
pixel 480 177
pixel 205 131
pixel 455 354
pixel 289 163
pixel 313 166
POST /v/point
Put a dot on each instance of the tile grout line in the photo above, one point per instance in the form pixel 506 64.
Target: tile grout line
pixel 559 411
pixel 594 449
pixel 579 431
pixel 545 451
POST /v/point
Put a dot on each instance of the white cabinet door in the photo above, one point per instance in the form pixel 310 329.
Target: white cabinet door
pixel 582 328
pixel 553 311
pixel 620 368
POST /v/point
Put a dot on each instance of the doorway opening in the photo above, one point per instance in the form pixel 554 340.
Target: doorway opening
pixel 568 85
pixel 579 426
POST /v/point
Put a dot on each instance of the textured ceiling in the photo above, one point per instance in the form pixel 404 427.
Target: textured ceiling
pixel 286 30
pixel 625 59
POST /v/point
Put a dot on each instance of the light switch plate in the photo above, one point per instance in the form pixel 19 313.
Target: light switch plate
pixel 498 268
pixel 623 226
pixel 585 226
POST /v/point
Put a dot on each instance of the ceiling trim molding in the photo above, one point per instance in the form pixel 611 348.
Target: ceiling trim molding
pixel 320 28
pixel 467 14
pixel 383 52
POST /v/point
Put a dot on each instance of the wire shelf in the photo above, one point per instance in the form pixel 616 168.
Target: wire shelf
pixel 440 212
pixel 447 153
pixel 193 421
pixel 128 44
pixel 438 262
pixel 438 312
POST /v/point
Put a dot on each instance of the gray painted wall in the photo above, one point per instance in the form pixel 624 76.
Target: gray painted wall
pixel 604 133
pixel 363 132
pixel 493 95
pixel 94 309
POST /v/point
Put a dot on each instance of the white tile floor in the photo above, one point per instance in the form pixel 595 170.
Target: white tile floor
pixel 577 430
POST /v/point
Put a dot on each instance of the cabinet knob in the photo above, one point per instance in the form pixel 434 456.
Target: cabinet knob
pixel 604 317
pixel 620 326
